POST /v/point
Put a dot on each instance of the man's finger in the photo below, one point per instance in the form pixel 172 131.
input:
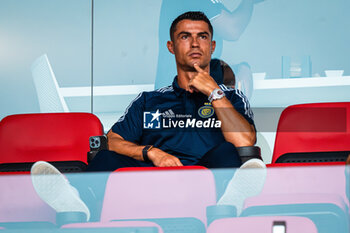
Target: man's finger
pixel 197 67
pixel 179 163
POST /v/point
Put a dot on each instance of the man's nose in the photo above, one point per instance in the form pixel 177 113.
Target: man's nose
pixel 195 42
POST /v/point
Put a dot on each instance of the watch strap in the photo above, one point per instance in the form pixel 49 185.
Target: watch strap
pixel 214 95
pixel 144 153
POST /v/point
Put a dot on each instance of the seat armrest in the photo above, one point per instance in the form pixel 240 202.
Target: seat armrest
pixel 249 152
pixel 63 218
pixel 220 211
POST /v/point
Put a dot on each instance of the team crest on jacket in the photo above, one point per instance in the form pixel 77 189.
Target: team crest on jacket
pixel 206 111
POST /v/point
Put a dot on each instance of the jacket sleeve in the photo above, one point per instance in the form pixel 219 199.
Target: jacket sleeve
pixel 130 124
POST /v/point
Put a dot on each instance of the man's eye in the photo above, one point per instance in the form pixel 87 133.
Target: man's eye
pixel 184 37
pixel 204 37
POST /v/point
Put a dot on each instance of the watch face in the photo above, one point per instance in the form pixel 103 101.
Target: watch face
pixel 218 93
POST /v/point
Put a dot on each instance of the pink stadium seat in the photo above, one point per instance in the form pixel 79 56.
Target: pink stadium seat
pixel 318 132
pixel 135 169
pixel 20 206
pixel 61 138
pixel 316 192
pixel 128 226
pixel 262 225
pixel 174 199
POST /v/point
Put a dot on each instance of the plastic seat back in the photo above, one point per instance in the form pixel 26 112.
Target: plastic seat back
pixel 55 137
pixel 122 226
pixel 267 224
pixel 313 133
pixel 316 192
pixel 21 207
pixel 302 180
pixel 153 194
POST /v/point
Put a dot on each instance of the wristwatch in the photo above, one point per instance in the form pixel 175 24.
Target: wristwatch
pixel 216 94
pixel 144 153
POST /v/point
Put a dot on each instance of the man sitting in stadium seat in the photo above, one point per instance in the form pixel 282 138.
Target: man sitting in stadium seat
pixel 194 121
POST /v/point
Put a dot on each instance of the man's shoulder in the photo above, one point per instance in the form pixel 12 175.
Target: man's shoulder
pixel 159 92
pixel 167 89
pixel 226 88
pixel 150 97
pixel 238 99
pixel 234 93
pixel 232 90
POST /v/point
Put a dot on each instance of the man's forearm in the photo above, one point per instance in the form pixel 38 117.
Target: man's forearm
pixel 117 144
pixel 158 157
pixel 235 128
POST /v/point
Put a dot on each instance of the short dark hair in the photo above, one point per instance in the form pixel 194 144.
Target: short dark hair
pixel 191 15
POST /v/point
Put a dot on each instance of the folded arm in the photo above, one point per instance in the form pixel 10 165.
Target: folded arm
pixel 235 128
pixel 158 157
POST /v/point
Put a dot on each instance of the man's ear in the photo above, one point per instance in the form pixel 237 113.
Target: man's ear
pixel 213 46
pixel 170 46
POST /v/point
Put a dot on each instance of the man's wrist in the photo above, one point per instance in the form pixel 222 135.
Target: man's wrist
pixel 145 151
pixel 210 91
pixel 216 94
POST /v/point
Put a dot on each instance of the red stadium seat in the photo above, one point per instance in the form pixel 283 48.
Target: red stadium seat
pixel 298 183
pixel 59 138
pixel 309 133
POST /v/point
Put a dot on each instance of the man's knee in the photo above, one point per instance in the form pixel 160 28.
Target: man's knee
pixel 222 156
pixel 228 146
pixel 225 149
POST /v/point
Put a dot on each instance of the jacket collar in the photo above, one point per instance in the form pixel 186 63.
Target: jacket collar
pixel 177 89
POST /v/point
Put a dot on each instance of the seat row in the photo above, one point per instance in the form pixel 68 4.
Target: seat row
pixel 169 201
pixel 184 200
pixel 306 134
pixel 297 196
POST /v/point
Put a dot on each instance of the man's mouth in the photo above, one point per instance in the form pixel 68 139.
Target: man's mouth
pixel 195 54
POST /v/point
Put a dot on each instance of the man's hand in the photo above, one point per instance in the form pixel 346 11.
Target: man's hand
pixel 235 128
pixel 202 82
pixel 162 159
